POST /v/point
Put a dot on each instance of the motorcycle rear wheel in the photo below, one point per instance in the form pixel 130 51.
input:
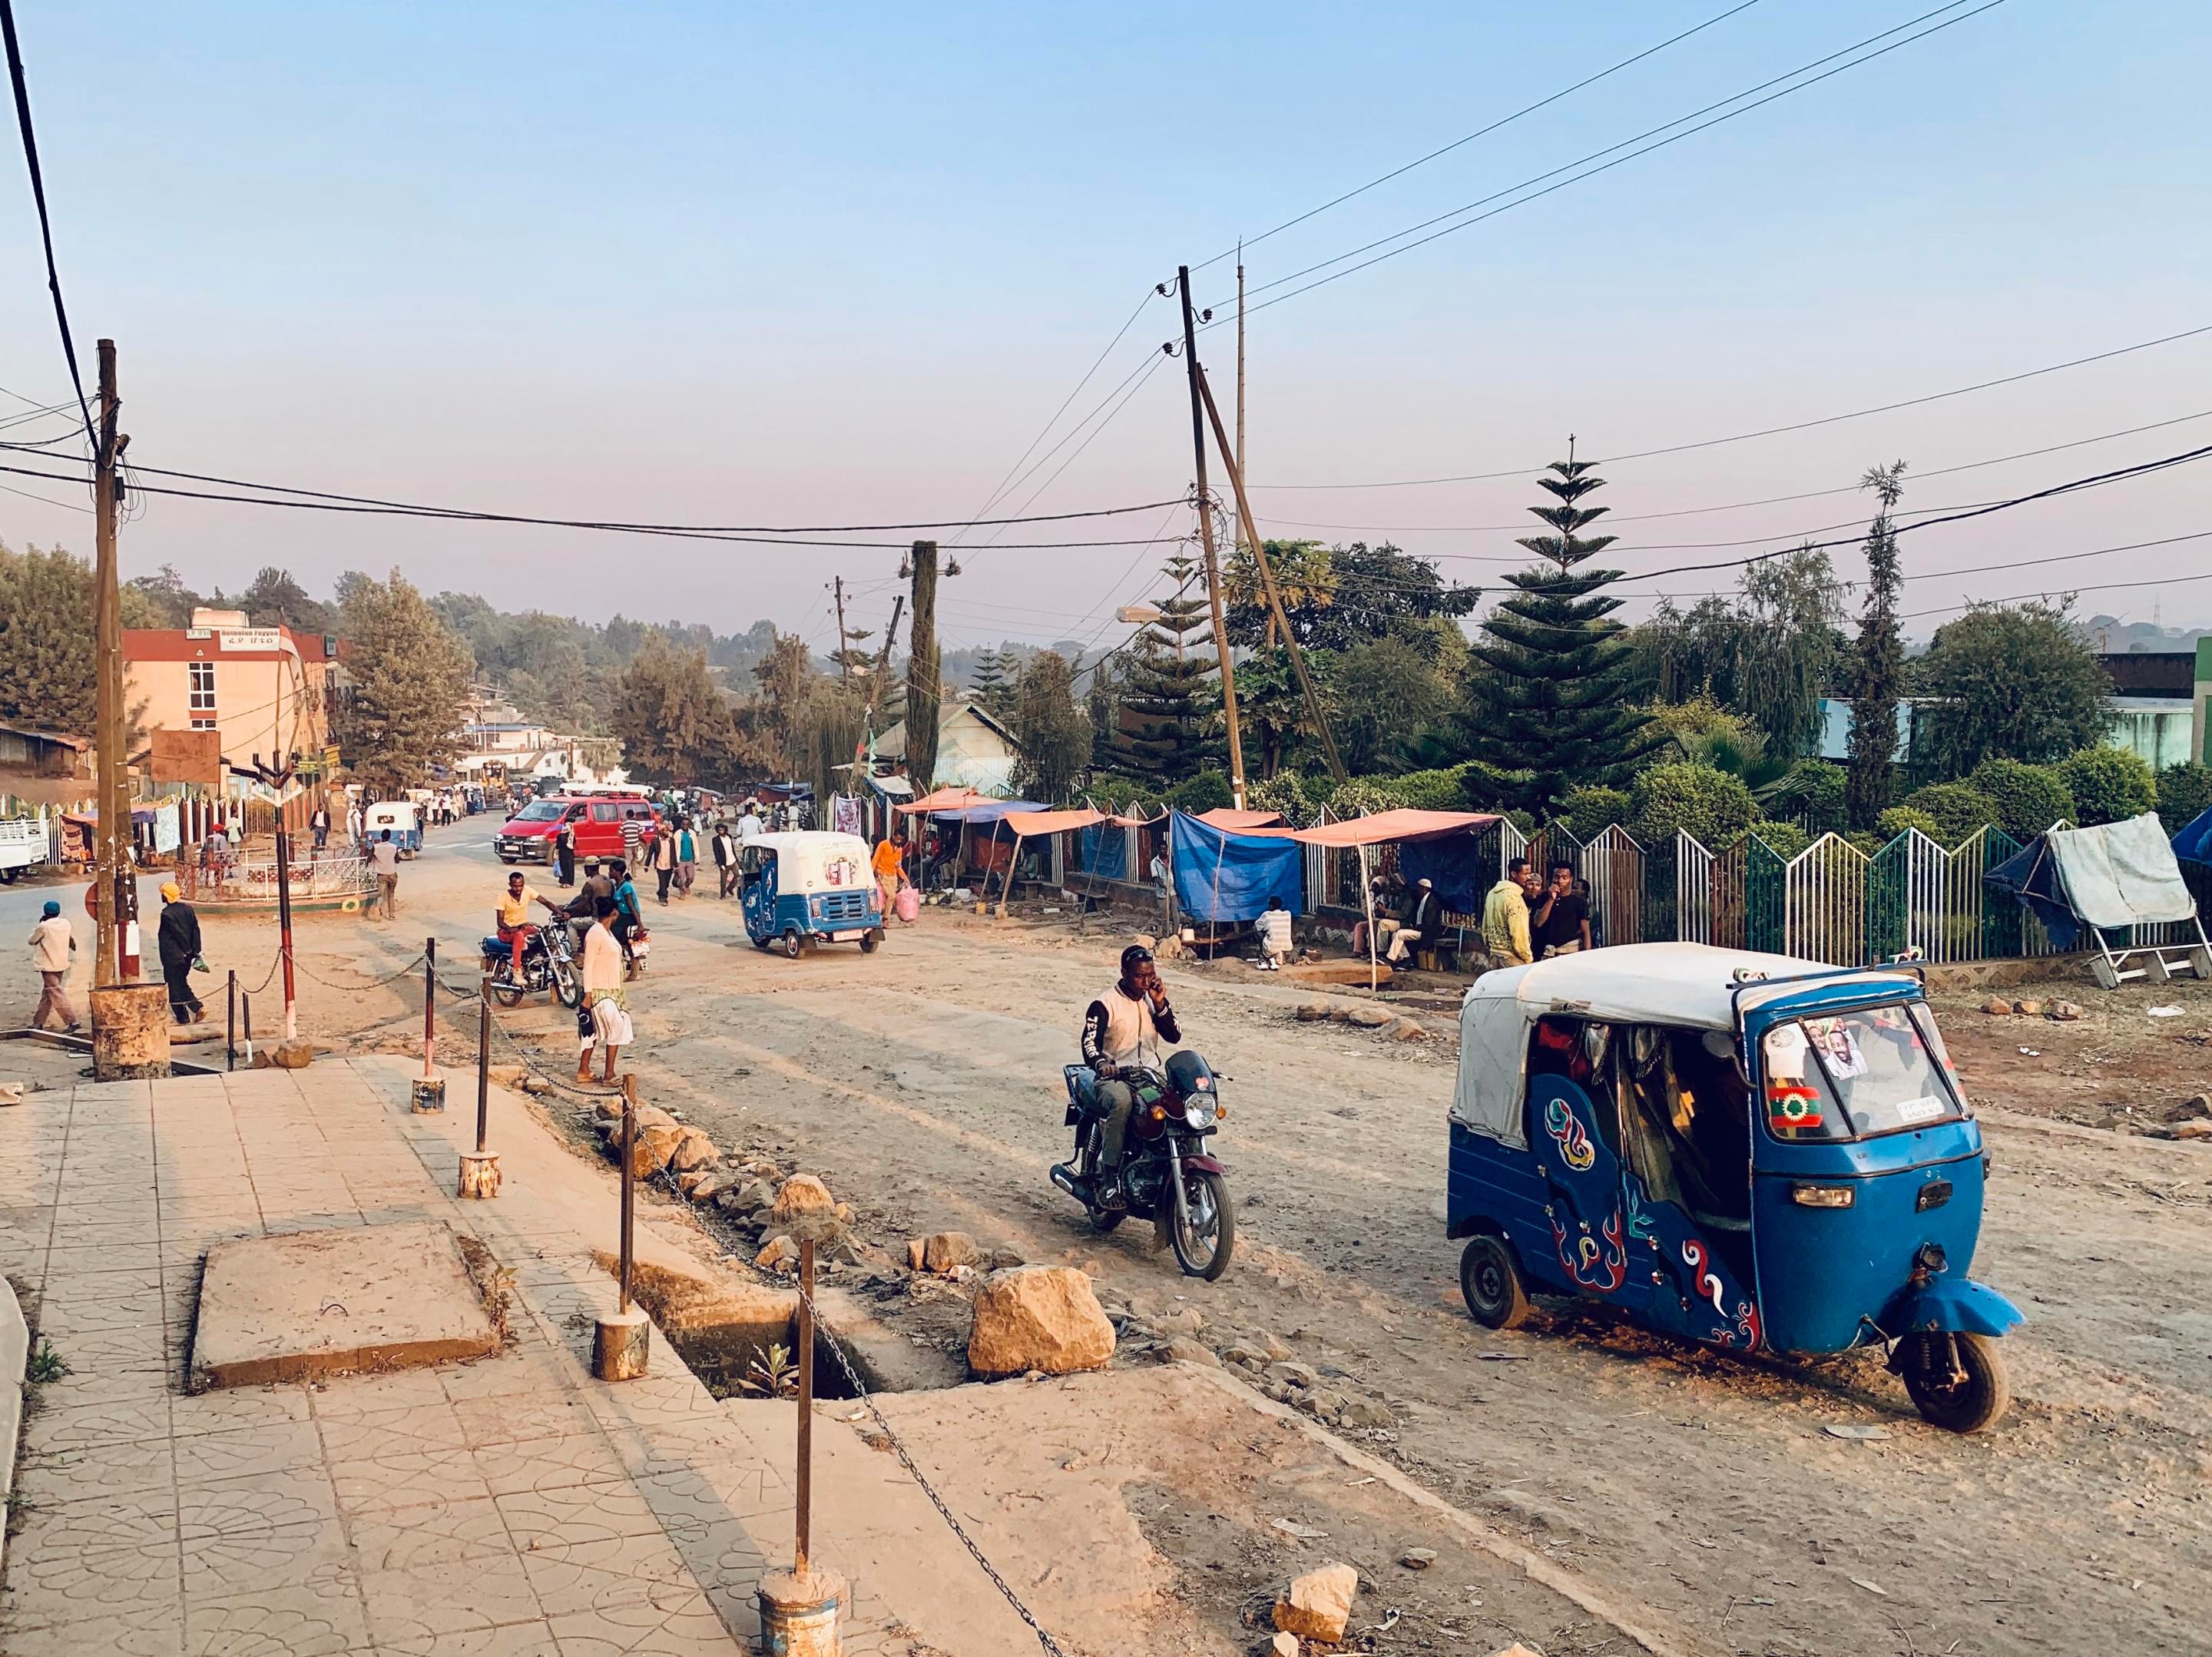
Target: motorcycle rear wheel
pixel 1206 1197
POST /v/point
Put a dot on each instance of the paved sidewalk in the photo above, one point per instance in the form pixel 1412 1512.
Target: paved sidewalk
pixel 512 1506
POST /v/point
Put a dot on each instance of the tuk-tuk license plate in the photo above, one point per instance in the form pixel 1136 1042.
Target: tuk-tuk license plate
pixel 847 935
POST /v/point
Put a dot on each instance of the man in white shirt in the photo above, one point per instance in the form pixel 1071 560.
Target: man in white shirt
pixel 750 824
pixel 384 860
pixel 52 944
pixel 601 1018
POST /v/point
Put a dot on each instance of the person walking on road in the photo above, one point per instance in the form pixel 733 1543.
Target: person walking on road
pixel 627 919
pixel 602 1019
pixel 384 859
pixel 319 825
pixel 53 944
pixel 353 825
pixel 664 862
pixel 888 864
pixel 633 832
pixel 564 854
pixel 687 856
pixel 179 942
pixel 726 858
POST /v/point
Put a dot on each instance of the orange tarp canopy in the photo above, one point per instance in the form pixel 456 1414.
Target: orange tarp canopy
pixel 1386 825
pixel 944 800
pixel 1236 822
pixel 1026 822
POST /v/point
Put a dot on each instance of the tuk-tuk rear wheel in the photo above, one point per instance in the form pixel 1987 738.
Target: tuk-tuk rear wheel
pixel 1967 1402
pixel 1490 1283
pixel 794 944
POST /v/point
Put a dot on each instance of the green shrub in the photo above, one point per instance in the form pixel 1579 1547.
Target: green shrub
pixel 1362 797
pixel 1711 805
pixel 1207 791
pixel 1956 808
pixel 1587 812
pixel 1285 792
pixel 1867 842
pixel 2184 792
pixel 1813 789
pixel 2029 799
pixel 1785 839
pixel 1524 820
pixel 1485 786
pixel 1897 818
pixel 1435 790
pixel 2108 784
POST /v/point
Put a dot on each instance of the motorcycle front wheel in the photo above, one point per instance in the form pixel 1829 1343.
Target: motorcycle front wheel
pixel 567 990
pixel 1204 1240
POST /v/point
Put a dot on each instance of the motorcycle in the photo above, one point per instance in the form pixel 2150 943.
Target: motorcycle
pixel 549 962
pixel 1166 1170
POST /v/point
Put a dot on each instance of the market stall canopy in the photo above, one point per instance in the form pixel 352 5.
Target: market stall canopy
pixel 1222 817
pixel 1026 822
pixel 944 800
pixel 984 809
pixel 1385 827
pixel 2115 874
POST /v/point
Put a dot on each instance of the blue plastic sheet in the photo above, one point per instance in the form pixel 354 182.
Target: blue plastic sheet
pixel 2194 843
pixel 1455 866
pixel 1220 877
pixel 1103 851
pixel 2031 874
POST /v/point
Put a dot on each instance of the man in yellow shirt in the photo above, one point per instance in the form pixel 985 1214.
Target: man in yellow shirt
pixel 511 914
pixel 1505 916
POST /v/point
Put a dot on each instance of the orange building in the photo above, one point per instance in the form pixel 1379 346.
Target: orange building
pixel 265 690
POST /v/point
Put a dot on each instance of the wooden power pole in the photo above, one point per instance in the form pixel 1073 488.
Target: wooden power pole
pixel 116 893
pixel 844 662
pixel 922 672
pixel 1242 469
pixel 1212 556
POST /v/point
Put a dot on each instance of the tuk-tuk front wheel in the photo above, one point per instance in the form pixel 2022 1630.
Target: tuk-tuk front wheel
pixel 1958 1383
pixel 1490 1282
pixel 793 945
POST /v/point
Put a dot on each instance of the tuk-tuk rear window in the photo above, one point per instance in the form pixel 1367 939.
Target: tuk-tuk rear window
pixel 1853 1076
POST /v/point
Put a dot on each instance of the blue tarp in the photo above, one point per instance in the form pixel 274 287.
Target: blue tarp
pixel 1461 868
pixel 2194 843
pixel 1103 851
pixel 1220 877
pixel 2031 874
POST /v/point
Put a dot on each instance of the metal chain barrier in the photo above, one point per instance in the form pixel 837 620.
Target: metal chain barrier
pixel 363 984
pixel 274 961
pixel 907 1461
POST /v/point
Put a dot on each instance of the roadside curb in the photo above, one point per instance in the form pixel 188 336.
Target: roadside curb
pixel 1998 1117
pixel 1569 1585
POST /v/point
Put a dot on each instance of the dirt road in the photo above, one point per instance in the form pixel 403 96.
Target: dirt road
pixel 923 1081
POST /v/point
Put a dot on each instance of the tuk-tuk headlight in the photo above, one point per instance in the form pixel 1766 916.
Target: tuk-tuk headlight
pixel 1823 1196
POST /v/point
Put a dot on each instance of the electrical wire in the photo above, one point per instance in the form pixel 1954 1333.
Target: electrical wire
pixel 1481 132
pixel 1776 431
pixel 1618 160
pixel 22 94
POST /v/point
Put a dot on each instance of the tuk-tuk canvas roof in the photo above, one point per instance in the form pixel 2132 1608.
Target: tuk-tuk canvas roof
pixel 803 856
pixel 1684 985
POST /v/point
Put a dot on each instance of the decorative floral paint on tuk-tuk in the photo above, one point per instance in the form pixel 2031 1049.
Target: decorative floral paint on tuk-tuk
pixel 1752 1151
pixel 809 886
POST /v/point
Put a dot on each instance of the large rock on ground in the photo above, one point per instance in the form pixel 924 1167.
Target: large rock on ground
pixel 1317 1606
pixel 650 1151
pixel 694 1151
pixel 1040 1317
pixel 1368 1016
pixel 948 1249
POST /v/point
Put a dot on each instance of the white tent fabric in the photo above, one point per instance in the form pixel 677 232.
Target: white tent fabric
pixel 2122 874
pixel 1683 985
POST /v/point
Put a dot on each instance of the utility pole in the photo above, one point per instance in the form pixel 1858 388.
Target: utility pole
pixel 1267 578
pixel 1213 556
pixel 1240 360
pixel 116 901
pixel 922 672
pixel 844 662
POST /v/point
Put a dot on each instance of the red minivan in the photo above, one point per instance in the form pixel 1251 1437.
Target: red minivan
pixel 528 836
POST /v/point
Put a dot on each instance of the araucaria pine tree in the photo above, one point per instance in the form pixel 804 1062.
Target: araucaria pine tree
pixel 1170 694
pixel 1556 702
pixel 1877 665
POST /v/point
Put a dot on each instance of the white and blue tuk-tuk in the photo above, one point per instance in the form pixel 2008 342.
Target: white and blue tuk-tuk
pixel 1750 1150
pixel 404 817
pixel 810 886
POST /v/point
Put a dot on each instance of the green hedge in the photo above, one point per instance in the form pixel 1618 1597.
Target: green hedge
pixel 2108 785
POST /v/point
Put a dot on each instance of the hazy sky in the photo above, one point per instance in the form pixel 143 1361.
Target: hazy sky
pixel 736 264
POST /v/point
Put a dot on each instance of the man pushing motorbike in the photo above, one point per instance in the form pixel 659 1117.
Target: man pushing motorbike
pixel 1115 1028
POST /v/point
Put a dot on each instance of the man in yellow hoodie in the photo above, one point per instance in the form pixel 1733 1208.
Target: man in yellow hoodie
pixel 1505 916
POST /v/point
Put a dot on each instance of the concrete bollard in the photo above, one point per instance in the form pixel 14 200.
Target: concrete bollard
pixel 129 1030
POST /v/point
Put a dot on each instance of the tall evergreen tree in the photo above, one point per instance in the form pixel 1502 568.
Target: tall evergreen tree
pixel 1052 729
pixel 411 677
pixel 1556 707
pixel 1877 661
pixel 1170 693
pixel 992 679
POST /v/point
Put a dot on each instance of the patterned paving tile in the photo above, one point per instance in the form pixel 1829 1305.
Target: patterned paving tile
pixel 549 1464
pixel 244 1451
pixel 322 1621
pixel 408 1607
pixel 153 1630
pixel 415 1538
pixel 233 1564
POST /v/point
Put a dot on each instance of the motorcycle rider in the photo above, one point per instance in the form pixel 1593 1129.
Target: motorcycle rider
pixel 1115 1028
pixel 513 915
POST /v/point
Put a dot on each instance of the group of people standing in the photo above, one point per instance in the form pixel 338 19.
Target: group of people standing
pixel 1527 918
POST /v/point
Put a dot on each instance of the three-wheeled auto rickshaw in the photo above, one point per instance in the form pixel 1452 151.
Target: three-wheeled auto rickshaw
pixel 1750 1150
pixel 809 886
pixel 404 817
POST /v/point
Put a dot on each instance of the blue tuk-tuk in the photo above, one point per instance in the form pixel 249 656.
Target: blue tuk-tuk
pixel 1749 1150
pixel 809 886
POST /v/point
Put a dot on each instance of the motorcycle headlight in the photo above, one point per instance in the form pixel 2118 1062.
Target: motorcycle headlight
pixel 1198 1112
